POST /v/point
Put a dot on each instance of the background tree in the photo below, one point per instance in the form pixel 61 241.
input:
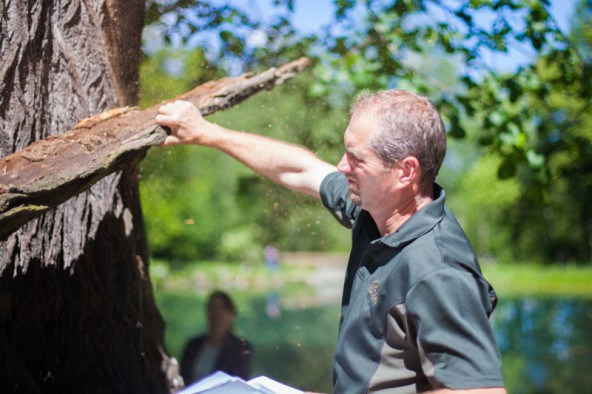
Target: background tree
pixel 527 114
pixel 77 312
pixel 215 208
pixel 544 215
pixel 529 117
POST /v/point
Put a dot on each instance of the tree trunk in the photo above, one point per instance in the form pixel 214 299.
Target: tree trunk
pixel 77 313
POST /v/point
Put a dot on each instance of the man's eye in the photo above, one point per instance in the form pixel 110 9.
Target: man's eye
pixel 352 158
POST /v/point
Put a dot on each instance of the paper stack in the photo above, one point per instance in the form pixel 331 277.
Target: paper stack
pixel 222 383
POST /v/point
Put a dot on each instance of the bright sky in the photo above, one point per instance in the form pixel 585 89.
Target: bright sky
pixel 313 15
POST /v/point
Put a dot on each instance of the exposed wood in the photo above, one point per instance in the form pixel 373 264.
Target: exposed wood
pixel 50 171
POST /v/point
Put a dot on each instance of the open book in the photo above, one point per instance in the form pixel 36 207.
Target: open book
pixel 222 383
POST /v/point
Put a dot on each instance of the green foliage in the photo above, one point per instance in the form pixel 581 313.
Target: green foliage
pixel 270 214
pixel 199 203
pixel 182 192
pixel 185 199
pixel 490 201
pixel 532 122
pixel 381 50
pixel 170 72
pixel 530 119
pixel 511 279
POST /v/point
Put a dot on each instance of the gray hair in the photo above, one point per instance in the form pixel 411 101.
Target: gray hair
pixel 409 125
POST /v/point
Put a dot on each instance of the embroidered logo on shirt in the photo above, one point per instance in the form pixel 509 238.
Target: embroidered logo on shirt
pixel 373 291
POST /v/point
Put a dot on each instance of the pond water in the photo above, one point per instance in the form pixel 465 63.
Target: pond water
pixel 546 343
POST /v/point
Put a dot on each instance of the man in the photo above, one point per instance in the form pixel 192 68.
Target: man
pixel 415 308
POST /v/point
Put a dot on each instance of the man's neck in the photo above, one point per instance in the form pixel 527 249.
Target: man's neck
pixel 389 222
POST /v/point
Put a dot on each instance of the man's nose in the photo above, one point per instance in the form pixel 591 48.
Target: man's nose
pixel 343 165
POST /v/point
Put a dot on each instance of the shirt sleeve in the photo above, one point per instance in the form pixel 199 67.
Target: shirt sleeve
pixel 455 339
pixel 335 196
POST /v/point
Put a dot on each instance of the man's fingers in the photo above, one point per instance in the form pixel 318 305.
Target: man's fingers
pixel 165 109
pixel 171 108
pixel 177 105
pixel 170 140
pixel 167 120
pixel 176 116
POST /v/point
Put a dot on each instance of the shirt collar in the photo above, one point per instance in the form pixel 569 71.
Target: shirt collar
pixel 419 223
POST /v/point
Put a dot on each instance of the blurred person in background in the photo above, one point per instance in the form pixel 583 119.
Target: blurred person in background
pixel 219 349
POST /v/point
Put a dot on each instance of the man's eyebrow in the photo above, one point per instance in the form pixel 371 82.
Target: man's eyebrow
pixel 357 151
pixel 353 149
pixel 352 152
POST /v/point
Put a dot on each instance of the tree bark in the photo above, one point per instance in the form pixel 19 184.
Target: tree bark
pixel 77 313
pixel 50 171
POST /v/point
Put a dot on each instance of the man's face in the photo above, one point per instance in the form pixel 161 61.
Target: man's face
pixel 371 185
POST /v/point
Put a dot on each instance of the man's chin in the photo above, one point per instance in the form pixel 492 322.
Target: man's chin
pixel 355 198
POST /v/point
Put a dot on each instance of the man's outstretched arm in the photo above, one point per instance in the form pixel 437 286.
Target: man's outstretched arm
pixel 289 165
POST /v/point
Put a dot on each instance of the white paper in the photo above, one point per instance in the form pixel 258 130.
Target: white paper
pixel 273 386
pixel 222 383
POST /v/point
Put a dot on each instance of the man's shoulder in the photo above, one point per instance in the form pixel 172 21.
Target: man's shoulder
pixel 332 182
pixel 443 246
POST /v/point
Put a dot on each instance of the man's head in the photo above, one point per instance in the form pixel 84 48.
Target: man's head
pixel 395 144
pixel 408 125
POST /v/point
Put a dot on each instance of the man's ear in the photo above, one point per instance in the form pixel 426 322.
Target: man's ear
pixel 409 170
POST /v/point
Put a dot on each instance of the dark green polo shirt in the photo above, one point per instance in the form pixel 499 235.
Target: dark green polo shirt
pixel 415 308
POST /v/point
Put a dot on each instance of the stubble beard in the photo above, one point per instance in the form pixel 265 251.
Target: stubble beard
pixel 355 197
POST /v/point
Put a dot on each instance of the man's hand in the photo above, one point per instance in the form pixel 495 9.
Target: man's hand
pixel 185 121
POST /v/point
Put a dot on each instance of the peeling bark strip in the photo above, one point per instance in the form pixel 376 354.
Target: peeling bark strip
pixel 50 171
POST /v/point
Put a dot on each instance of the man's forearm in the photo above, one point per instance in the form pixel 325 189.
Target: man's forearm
pixel 289 165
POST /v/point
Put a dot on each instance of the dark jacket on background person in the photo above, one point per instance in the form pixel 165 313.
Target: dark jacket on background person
pixel 234 357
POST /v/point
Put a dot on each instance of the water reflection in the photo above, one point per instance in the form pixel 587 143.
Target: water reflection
pixel 295 346
pixel 546 344
pixel 272 305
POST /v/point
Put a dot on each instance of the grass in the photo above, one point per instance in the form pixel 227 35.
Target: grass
pixel 205 276
pixel 509 279
pixel 528 279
